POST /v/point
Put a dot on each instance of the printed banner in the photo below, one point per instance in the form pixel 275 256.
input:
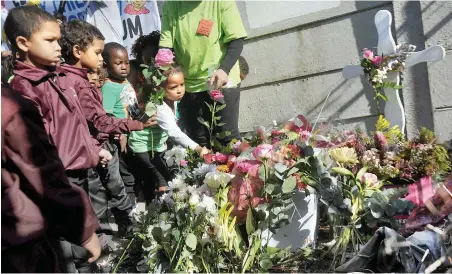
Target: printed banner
pixel 139 17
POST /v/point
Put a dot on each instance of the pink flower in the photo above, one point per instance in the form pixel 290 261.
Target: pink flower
pixel 221 158
pixel 377 60
pixel 380 141
pixel 243 192
pixel 208 158
pixel 164 57
pixel 249 167
pixel 262 152
pixel 370 179
pixel 216 95
pixel 368 54
pixel 183 162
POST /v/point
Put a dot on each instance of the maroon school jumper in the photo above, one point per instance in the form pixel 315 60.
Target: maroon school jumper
pixel 101 125
pixel 53 94
pixel 37 197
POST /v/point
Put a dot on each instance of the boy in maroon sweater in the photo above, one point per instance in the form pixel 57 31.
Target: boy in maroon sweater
pixel 34 35
pixel 38 202
pixel 82 46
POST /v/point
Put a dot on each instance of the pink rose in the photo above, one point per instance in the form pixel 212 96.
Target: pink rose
pixel 183 162
pixel 250 167
pixel 216 95
pixel 232 158
pixel 262 152
pixel 164 57
pixel 221 158
pixel 370 179
pixel 368 54
pixel 377 60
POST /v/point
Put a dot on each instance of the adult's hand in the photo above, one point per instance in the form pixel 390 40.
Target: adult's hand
pixel 219 78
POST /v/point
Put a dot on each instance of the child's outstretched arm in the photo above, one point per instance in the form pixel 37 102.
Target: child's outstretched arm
pixel 165 119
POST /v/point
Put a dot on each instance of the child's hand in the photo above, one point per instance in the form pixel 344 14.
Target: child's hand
pixel 219 78
pixel 150 122
pixel 105 157
pixel 123 143
pixel 93 246
pixel 204 151
pixel 162 189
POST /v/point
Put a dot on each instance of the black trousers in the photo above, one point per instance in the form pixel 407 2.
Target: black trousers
pixel 151 172
pixel 193 106
pixel 118 200
pixel 73 257
pixel 36 256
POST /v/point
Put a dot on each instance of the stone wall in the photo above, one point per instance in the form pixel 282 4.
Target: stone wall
pixel 296 51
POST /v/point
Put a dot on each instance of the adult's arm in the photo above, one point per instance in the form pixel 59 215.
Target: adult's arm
pixel 166 35
pixel 233 52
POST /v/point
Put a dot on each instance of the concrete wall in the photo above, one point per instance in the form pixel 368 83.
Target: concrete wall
pixel 296 51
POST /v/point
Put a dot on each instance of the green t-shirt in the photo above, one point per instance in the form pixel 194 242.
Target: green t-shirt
pixel 197 53
pixel 111 99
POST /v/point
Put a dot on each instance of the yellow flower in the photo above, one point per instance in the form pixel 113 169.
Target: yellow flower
pixel 223 168
pixel 344 155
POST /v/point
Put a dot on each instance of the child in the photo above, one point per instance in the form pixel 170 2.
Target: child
pixel 37 198
pixel 149 145
pixel 102 72
pixel 82 45
pixel 34 35
pixel 120 98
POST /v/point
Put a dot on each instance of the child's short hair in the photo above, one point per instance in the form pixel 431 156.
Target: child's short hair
pixel 243 64
pixel 77 32
pixel 103 74
pixel 146 41
pixel 23 21
pixel 109 48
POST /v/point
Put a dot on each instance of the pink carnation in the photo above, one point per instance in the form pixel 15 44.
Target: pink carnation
pixel 377 60
pixel 164 57
pixel 368 54
pixel 216 95
pixel 221 158
pixel 262 152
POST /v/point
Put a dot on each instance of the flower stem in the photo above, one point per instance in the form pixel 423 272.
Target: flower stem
pixel 122 256
pixel 212 123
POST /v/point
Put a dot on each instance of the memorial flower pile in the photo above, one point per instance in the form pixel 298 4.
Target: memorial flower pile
pixel 222 208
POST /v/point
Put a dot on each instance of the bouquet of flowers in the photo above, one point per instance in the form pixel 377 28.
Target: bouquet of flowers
pixel 376 68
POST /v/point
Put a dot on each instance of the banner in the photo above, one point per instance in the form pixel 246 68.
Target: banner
pixel 139 17
pixel 74 9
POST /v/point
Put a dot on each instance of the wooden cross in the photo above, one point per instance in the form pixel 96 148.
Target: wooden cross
pixel 393 110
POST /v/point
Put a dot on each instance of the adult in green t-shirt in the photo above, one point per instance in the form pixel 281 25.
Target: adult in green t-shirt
pixel 207 37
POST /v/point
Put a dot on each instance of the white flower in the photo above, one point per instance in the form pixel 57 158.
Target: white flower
pixel 167 198
pixel 203 169
pixel 194 200
pixel 206 205
pixel 205 239
pixel 175 155
pixel 177 184
pixel 216 179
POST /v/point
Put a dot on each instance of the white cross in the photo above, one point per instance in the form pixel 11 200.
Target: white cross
pixel 394 111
